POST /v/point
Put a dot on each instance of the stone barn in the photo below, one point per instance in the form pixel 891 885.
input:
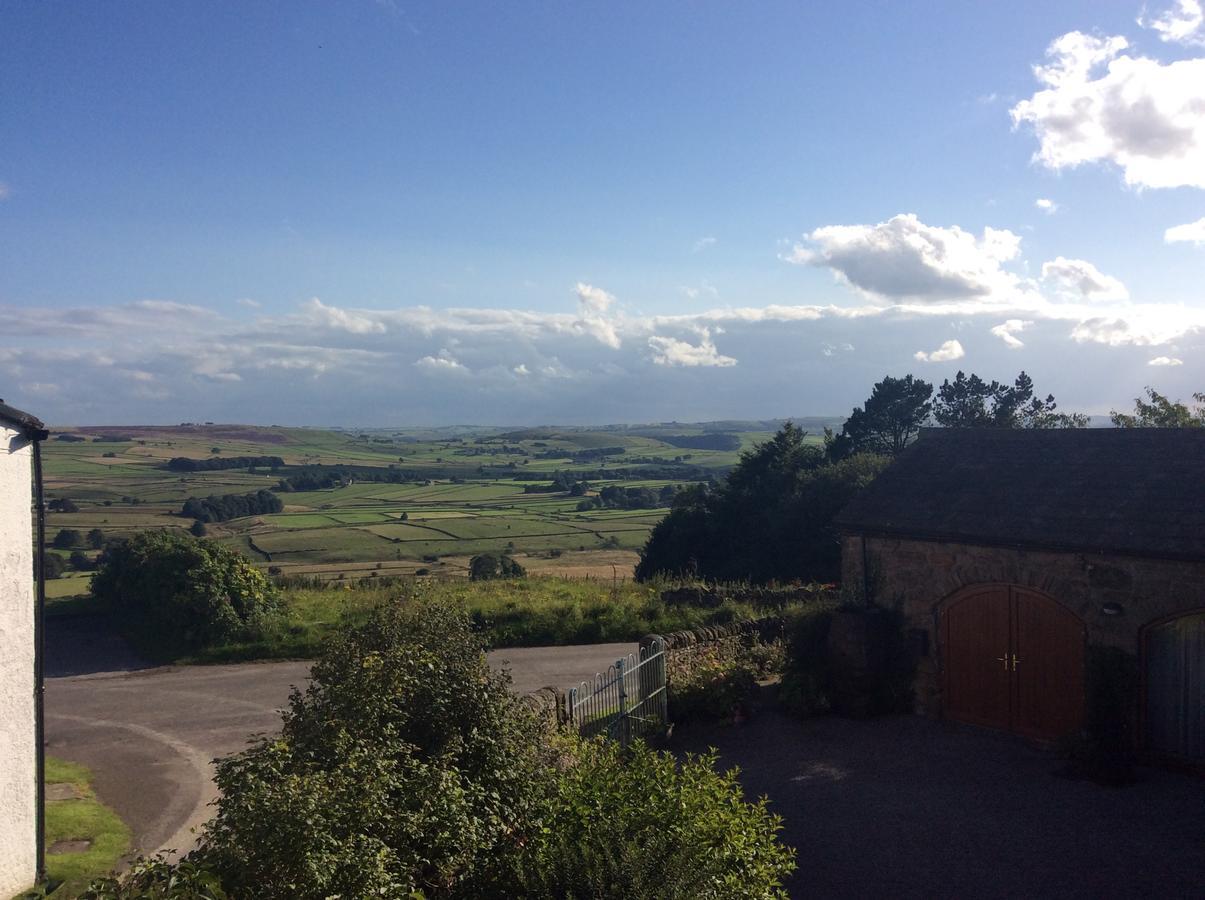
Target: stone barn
pixel 20 831
pixel 1021 558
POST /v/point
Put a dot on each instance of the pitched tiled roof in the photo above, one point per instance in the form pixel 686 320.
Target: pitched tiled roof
pixel 1126 490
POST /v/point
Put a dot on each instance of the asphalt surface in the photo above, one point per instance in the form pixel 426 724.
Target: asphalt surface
pixel 904 807
pixel 150 734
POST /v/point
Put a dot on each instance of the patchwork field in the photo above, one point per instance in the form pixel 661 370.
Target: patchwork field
pixel 390 501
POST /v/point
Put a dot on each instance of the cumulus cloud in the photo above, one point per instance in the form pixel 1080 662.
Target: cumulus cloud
pixel 342 319
pixel 905 259
pixel 1046 205
pixel 1180 24
pixel 949 350
pixel 668 351
pixel 1008 330
pixel 444 362
pixel 1189 233
pixel 1165 361
pixel 594 304
pixel 1102 104
pixel 1079 278
pixel 703 243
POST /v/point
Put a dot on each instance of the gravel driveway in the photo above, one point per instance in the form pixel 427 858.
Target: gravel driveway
pixel 906 807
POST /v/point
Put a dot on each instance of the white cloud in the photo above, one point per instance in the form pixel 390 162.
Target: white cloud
pixel 1046 205
pixel 334 317
pixel 1079 278
pixel 1189 233
pixel 1101 104
pixel 704 289
pixel 1165 361
pixel 594 304
pixel 703 243
pixel 668 351
pixel 521 369
pixel 248 302
pixel 444 362
pixel 1180 24
pixel 948 351
pixel 1008 330
pixel 905 259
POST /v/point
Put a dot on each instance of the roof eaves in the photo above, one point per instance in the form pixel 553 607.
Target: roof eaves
pixel 934 537
pixel 30 424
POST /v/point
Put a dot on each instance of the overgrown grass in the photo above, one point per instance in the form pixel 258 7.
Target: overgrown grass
pixel 525 612
pixel 84 818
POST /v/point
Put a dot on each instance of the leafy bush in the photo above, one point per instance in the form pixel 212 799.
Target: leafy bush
pixel 173 593
pixel 1104 750
pixel 715 680
pixel 817 682
pixel 408 769
pixel 641 826
pixel 485 566
pixel 806 687
pixel 407 765
pixel 157 879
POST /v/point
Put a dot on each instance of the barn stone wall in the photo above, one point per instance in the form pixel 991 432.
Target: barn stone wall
pixel 917 576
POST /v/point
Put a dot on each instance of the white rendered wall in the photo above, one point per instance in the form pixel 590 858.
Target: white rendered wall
pixel 18 797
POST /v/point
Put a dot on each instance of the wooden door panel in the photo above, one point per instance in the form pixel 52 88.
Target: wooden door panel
pixel 1048 676
pixel 1175 687
pixel 975 633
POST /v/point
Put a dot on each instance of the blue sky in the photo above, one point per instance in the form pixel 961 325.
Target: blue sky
pixel 383 213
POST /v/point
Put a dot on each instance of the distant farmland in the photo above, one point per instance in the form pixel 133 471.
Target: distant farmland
pixel 408 500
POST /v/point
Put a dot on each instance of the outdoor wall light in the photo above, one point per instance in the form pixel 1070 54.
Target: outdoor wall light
pixel 1112 609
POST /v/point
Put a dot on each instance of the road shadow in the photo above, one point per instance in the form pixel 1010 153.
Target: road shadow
pixel 86 645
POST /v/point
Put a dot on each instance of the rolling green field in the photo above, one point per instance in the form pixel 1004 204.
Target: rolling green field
pixel 461 492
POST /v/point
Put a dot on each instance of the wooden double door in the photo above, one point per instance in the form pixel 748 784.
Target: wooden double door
pixel 1012 659
pixel 1175 688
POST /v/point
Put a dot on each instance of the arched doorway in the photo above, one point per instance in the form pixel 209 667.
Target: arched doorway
pixel 1013 659
pixel 1174 676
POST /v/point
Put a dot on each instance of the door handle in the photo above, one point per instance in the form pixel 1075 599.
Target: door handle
pixel 1015 661
pixel 1003 659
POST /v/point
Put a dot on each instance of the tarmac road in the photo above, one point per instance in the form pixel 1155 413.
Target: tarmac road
pixel 149 735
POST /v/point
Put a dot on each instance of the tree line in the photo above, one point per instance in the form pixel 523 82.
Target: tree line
pixel 185 464
pixel 771 519
pixel 231 506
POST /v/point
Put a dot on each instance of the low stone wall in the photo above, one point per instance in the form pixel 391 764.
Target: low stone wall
pixel 764 630
pixel 549 704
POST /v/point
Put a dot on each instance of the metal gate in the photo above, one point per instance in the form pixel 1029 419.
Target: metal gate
pixel 625 702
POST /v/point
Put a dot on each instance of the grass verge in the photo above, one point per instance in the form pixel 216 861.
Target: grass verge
pixel 523 612
pixel 83 818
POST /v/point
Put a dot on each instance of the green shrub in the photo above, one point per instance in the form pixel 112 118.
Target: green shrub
pixel 485 566
pixel 157 879
pixel 173 593
pixel 1104 750
pixel 407 765
pixel 715 680
pixel 806 688
pixel 641 826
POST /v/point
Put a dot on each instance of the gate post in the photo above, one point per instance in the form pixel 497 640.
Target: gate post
pixel 622 721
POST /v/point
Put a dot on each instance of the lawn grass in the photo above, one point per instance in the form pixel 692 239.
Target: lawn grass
pixel 84 818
